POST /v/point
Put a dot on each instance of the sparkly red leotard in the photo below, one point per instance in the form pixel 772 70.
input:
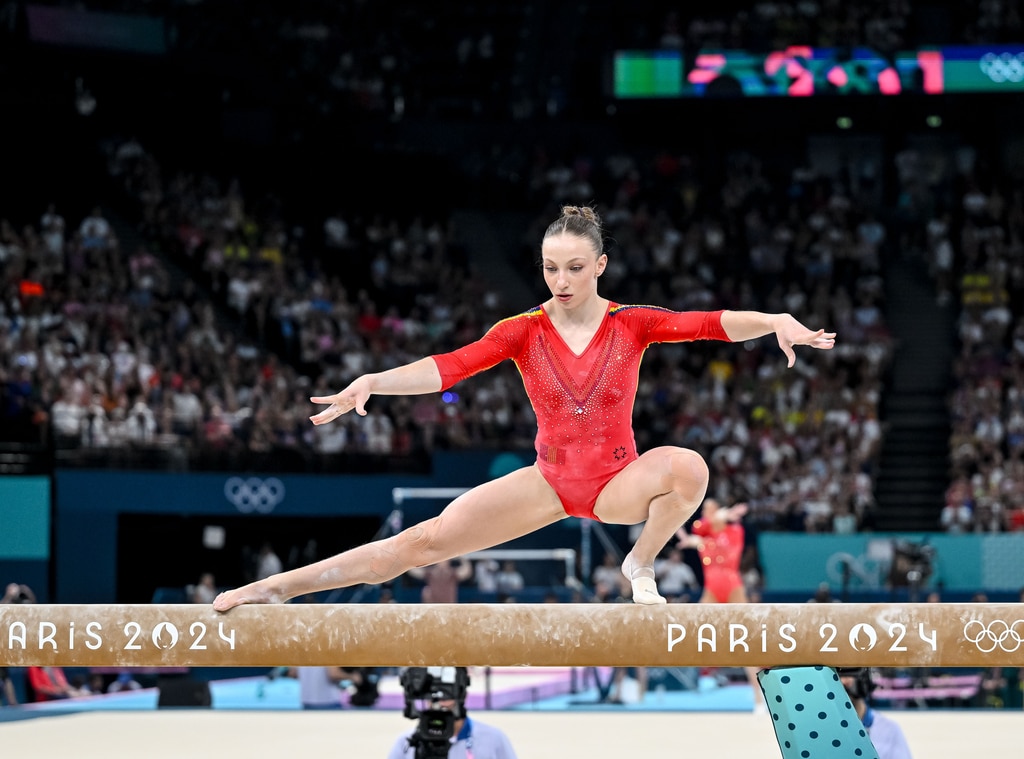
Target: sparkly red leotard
pixel 720 557
pixel 584 403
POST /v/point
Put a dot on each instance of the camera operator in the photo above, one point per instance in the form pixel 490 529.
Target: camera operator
pixel 436 696
pixel 886 734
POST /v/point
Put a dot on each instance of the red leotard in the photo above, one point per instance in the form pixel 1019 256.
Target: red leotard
pixel 584 404
pixel 720 558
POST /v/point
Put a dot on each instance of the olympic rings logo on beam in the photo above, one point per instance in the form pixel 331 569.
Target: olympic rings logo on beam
pixel 996 633
pixel 254 494
pixel 1005 67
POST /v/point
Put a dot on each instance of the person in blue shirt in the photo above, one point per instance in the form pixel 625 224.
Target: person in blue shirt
pixel 885 733
pixel 470 739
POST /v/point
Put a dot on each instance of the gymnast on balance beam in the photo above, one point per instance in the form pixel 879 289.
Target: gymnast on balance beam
pixel 579 356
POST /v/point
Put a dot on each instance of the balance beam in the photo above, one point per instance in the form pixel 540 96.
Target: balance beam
pixel 541 635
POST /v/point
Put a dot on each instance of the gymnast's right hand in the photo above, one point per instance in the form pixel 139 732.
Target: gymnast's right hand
pixel 352 397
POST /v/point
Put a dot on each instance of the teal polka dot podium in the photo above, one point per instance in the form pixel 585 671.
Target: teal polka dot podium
pixel 812 714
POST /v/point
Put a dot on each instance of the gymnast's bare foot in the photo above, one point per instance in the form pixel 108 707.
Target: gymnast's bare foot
pixel 247 594
pixel 645 590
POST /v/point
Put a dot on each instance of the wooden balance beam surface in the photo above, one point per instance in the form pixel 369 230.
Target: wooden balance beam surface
pixel 674 635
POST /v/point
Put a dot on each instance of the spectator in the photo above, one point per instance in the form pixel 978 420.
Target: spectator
pixel 14 593
pixel 124 681
pixel 957 515
pixel 607 572
pixel 885 733
pixel 470 738
pixel 204 591
pixel 95 231
pixel 509 580
pixel 675 577
pixel 268 563
pixel 7 695
pixel 18 593
pixel 51 684
pixel 441 580
pixel 822 594
pixel 485 573
pixel 750 571
pixel 319 687
pixel 629 685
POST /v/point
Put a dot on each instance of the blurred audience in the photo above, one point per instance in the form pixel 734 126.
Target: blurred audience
pixel 90 343
pixel 971 236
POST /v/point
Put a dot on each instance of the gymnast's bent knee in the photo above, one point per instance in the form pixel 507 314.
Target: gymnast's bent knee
pixel 690 474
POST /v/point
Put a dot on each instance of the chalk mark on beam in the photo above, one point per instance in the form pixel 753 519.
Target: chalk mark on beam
pixel 674 635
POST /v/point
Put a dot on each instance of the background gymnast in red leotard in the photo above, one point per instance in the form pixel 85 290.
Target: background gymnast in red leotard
pixel 718 537
pixel 579 355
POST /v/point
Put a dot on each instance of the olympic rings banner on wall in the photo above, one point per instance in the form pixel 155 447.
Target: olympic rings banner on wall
pixel 805 71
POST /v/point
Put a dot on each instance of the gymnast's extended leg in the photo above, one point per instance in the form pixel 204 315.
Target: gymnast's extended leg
pixel 490 514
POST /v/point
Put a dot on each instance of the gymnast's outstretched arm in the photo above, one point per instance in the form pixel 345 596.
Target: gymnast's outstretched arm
pixel 417 378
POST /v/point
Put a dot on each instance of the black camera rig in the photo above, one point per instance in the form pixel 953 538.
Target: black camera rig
pixel 863 685
pixel 437 697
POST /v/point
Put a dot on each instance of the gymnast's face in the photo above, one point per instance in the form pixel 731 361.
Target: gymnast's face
pixel 709 509
pixel 571 268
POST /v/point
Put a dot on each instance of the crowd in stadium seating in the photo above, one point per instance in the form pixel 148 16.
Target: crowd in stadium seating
pixel 367 299
pixel 975 247
pixel 207 318
pixel 883 25
pixel 166 346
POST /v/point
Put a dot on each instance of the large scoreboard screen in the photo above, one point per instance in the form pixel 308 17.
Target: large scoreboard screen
pixel 803 71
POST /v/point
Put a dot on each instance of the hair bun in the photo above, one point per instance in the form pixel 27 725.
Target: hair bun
pixel 586 212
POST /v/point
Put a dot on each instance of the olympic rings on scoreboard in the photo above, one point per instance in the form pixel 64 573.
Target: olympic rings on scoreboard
pixel 1002 68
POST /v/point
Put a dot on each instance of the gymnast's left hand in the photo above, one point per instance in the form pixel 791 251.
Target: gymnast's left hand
pixel 352 397
pixel 790 332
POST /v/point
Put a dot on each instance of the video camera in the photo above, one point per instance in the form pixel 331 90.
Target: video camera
pixel 911 566
pixel 862 686
pixel 442 690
